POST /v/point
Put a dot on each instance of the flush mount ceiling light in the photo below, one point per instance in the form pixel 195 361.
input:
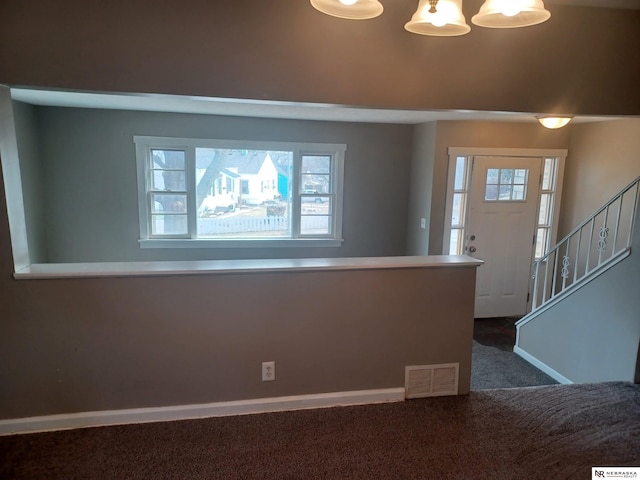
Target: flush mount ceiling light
pixel 511 13
pixel 553 122
pixel 444 18
pixel 350 9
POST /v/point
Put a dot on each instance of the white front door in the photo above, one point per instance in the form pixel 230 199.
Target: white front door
pixel 502 222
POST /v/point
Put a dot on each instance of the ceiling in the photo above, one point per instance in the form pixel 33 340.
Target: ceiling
pixel 288 110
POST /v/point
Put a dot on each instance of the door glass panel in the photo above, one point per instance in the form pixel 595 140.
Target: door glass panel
pixel 459 197
pixel 505 192
pixel 547 176
pixel 506 175
pixel 506 184
pixel 518 192
pixel 492 175
pixel 543 219
pixel 491 192
pixel 541 242
pixel 460 173
pixel 458 208
pixel 454 244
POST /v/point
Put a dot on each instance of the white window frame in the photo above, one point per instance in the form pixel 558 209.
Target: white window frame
pixel 546 241
pixel 464 192
pixel 144 145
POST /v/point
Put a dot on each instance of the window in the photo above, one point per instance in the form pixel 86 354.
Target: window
pixel 167 192
pixel 547 199
pixel 212 193
pixel 458 216
pixel 506 185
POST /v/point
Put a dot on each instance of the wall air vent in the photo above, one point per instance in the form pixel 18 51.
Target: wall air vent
pixel 431 380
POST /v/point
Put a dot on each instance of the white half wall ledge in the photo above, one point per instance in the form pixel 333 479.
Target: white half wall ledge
pixel 106 418
pixel 208 267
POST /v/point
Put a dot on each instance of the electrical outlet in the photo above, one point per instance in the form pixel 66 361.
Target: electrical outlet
pixel 268 371
pixel 423 223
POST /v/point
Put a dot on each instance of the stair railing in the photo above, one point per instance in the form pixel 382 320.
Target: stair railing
pixel 600 240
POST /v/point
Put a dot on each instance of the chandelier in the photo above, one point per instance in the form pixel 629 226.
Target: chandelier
pixel 444 18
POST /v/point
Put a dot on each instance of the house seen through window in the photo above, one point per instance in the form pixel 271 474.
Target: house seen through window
pixel 219 190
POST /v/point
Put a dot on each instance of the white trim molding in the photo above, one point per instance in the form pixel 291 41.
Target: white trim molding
pixel 506 152
pixel 542 366
pixel 10 162
pixel 242 266
pixel 187 412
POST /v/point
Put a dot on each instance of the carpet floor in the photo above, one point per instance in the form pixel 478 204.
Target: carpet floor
pixel 493 367
pixel 557 431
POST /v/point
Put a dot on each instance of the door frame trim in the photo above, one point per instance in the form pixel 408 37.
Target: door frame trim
pixel 471 152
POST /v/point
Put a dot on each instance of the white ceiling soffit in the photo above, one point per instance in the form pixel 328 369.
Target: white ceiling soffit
pixel 260 109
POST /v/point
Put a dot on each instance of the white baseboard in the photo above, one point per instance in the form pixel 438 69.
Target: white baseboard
pixel 542 366
pixel 186 412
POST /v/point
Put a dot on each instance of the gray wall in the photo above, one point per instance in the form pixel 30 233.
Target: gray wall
pixel 422 163
pixel 117 343
pixel 580 61
pixel 91 190
pixel 604 157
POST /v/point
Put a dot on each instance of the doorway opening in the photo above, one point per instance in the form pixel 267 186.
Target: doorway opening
pixel 502 207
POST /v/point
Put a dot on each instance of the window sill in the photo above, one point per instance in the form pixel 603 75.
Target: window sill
pixel 216 267
pixel 239 243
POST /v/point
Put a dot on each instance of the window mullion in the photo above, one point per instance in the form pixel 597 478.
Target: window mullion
pixel 192 208
pixel 337 171
pixel 142 155
pixel 296 206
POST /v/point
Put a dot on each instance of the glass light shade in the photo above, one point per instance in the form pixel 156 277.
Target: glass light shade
pixel 554 122
pixel 448 21
pixel 358 10
pixel 511 13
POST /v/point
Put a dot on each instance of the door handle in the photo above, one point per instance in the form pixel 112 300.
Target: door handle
pixel 472 249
